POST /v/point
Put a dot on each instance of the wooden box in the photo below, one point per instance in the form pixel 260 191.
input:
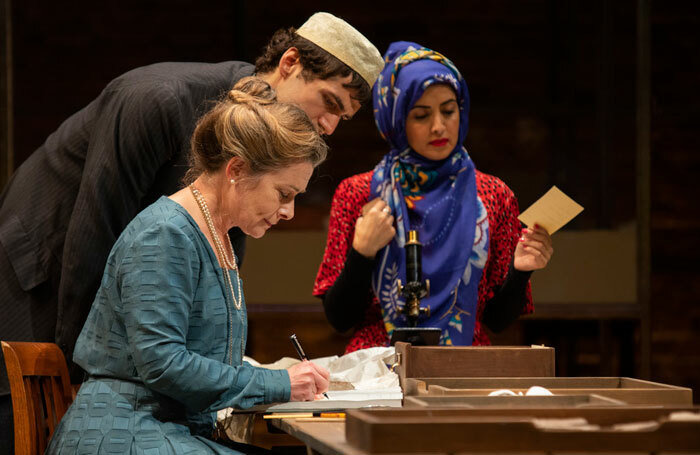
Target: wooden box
pixel 610 430
pixel 475 401
pixel 472 361
pixel 628 390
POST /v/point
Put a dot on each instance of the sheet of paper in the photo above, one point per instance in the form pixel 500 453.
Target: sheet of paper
pixel 326 405
pixel 390 393
pixel 551 211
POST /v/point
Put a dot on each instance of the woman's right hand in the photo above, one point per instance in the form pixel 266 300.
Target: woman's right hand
pixel 374 229
pixel 308 380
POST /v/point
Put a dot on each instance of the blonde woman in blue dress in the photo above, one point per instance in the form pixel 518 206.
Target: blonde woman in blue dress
pixel 164 341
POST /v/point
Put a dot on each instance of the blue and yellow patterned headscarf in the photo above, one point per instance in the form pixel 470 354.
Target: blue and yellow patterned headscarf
pixel 436 198
pixel 393 97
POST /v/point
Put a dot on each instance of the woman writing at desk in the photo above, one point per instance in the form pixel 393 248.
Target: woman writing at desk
pixel 164 340
pixel 475 254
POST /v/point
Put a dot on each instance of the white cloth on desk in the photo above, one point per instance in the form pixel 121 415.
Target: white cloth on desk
pixel 366 369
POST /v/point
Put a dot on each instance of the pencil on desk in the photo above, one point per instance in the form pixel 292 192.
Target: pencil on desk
pixel 330 415
pixel 289 415
pixel 305 415
pixel 320 419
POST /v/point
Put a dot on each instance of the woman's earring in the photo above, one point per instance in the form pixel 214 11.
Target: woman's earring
pixel 233 181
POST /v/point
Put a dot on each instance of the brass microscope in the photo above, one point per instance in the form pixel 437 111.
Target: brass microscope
pixel 413 291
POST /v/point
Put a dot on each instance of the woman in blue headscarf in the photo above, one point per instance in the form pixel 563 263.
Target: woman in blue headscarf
pixel 475 253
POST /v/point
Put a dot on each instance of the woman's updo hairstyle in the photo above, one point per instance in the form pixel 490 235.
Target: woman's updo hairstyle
pixel 250 124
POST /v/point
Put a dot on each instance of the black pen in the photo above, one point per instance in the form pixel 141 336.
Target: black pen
pixel 302 354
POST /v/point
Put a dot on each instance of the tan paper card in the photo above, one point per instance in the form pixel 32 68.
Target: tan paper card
pixel 551 211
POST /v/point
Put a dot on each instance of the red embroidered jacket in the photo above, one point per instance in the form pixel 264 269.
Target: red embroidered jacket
pixel 504 230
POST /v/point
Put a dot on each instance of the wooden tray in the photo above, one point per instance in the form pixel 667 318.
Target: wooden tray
pixel 554 401
pixel 498 430
pixel 629 390
pixel 472 361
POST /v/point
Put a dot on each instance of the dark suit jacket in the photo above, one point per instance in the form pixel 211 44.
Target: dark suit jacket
pixel 66 205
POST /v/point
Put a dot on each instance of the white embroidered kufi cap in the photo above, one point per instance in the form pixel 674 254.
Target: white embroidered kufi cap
pixel 343 41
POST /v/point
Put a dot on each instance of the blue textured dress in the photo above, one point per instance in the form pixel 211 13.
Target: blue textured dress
pixel 163 345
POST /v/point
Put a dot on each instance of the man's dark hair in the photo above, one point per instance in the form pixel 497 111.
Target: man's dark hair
pixel 316 62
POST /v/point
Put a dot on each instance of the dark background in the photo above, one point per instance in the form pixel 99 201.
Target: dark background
pixel 551 104
pixel 553 96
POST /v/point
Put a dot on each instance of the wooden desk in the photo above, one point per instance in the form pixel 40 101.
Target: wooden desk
pixel 486 430
pixel 327 438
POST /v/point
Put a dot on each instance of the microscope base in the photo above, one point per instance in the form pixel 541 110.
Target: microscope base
pixel 417 336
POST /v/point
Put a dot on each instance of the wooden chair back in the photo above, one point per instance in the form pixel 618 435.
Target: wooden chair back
pixel 41 392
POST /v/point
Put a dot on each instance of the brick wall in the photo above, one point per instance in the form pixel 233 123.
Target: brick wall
pixel 675 227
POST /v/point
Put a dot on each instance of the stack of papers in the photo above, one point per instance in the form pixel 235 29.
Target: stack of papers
pixel 366 372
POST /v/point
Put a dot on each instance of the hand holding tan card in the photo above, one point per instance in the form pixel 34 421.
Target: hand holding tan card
pixel 551 211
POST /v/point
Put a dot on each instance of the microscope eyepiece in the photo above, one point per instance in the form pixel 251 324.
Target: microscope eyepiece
pixel 414 273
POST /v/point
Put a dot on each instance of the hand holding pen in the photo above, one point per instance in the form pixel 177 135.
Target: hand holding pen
pixel 307 379
pixel 302 354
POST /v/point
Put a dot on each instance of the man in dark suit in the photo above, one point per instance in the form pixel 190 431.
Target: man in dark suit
pixel 66 205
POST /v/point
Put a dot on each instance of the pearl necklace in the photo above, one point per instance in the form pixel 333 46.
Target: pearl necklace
pixel 227 264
